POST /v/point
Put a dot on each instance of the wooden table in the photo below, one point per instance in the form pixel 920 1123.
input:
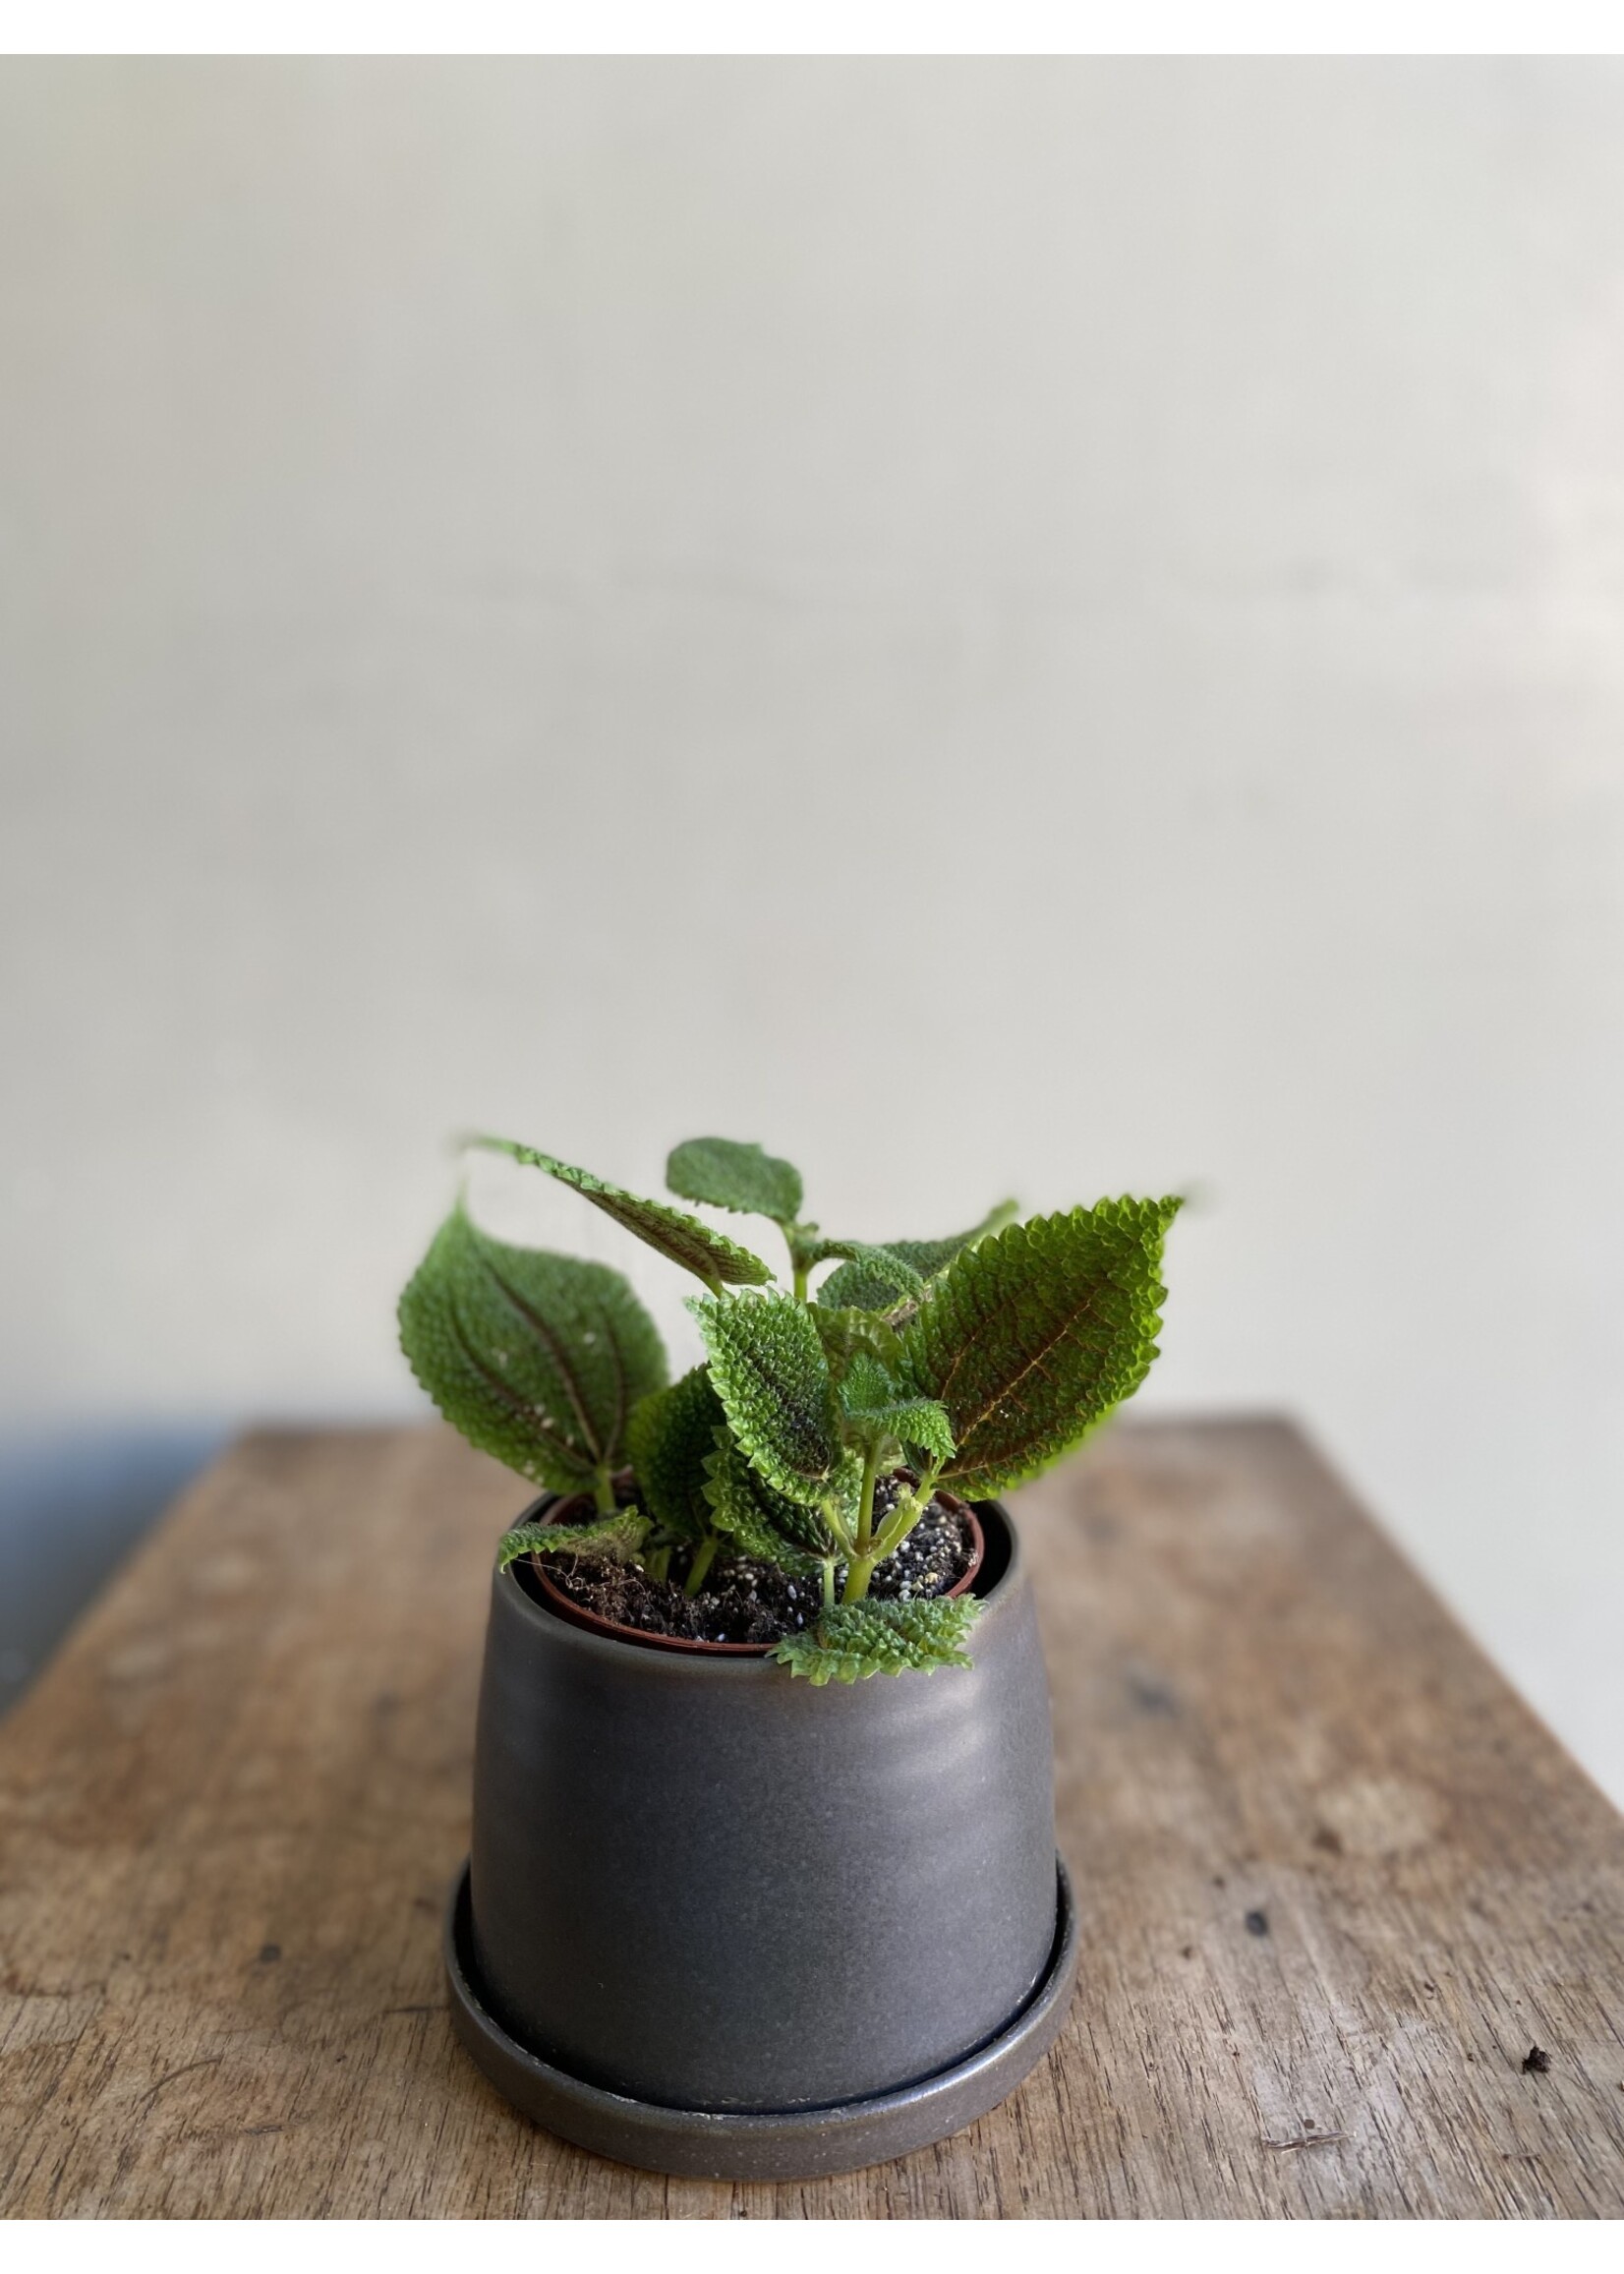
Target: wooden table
pixel 1335 1878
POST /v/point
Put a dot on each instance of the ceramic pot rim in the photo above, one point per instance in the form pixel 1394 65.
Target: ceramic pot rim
pixel 737 1661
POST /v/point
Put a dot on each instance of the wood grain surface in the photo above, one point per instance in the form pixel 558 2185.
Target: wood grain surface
pixel 1336 1881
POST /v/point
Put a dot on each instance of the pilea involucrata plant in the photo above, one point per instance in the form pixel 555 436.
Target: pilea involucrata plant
pixel 821 1426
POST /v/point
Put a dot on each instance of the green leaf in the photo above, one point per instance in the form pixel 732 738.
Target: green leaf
pixel 617 1538
pixel 868 1385
pixel 726 1175
pixel 857 1287
pixel 762 1522
pixel 850 1641
pixel 844 1333
pixel 875 1278
pixel 681 1238
pixel 922 1423
pixel 914 1421
pixel 1035 1337
pixel 537 1358
pixel 861 1286
pixel 875 1410
pixel 769 1369
pixel 672 1436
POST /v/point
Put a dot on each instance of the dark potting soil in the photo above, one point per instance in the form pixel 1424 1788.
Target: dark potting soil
pixel 746 1601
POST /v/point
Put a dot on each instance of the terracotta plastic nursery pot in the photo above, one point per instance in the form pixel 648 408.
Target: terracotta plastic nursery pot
pixel 722 1923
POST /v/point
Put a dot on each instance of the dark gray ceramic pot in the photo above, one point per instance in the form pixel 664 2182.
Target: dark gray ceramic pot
pixel 704 1887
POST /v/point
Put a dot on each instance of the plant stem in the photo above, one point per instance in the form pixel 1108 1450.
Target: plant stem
pixel 837 1524
pixel 863 1557
pixel 909 1509
pixel 699 1566
pixel 798 1264
pixel 865 1506
pixel 604 1490
pixel 828 1582
pixel 858 1575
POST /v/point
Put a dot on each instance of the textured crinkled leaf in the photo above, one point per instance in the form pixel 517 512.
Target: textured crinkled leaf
pixel 669 1440
pixel 876 1409
pixel 867 1383
pixel 724 1174
pixel 536 1357
pixel 617 1538
pixel 762 1522
pixel 858 1284
pixel 681 1238
pixel 929 1257
pixel 846 1333
pixel 850 1641
pixel 1035 1335
pixel 804 1524
pixel 918 1423
pixel 875 1278
pixel 859 1287
pixel 769 1369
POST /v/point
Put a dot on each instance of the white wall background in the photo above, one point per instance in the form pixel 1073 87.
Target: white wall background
pixel 997 625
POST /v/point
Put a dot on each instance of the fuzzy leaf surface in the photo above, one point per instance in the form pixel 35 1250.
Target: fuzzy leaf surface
pixel 680 1238
pixel 616 1538
pixel 847 1333
pixel 669 1441
pixel 857 1285
pixel 725 1174
pixel 802 1523
pixel 1035 1337
pixel 867 1384
pixel 770 1372
pixel 761 1522
pixel 920 1423
pixel 875 1408
pixel 849 1641
pixel 536 1357
pixel 874 1278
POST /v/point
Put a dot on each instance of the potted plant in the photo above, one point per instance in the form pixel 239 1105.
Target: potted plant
pixel 735 1907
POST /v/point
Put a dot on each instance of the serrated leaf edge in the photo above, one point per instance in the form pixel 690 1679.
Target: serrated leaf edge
pixel 737 1265
pixel 616 1538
